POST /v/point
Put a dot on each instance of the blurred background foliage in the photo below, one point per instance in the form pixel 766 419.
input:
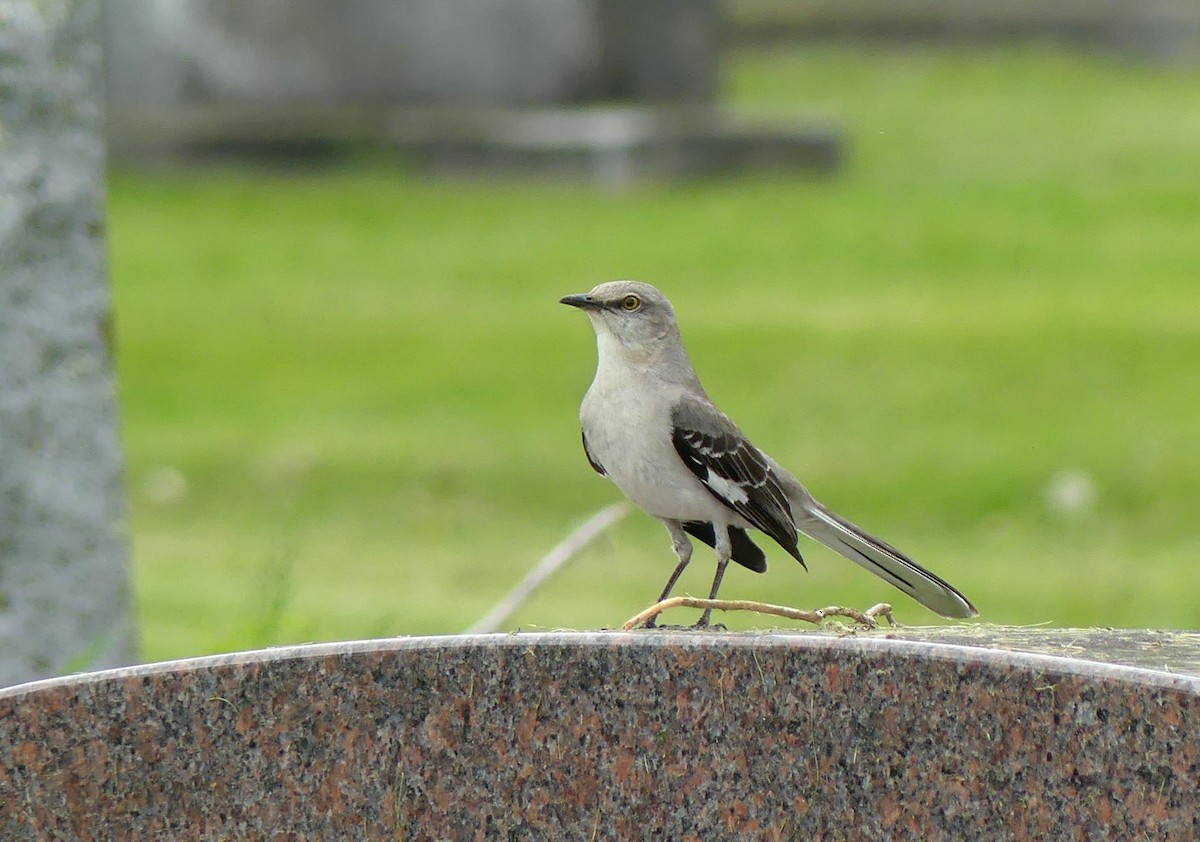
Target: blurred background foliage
pixel 350 395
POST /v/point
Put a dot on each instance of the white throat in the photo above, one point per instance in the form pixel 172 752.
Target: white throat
pixel 612 351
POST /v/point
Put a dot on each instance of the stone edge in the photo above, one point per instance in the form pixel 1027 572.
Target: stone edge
pixel 866 646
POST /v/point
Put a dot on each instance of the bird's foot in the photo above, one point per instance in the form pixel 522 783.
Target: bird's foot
pixel 650 625
pixel 703 624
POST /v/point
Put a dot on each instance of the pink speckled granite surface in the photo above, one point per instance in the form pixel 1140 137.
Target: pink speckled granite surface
pixel 614 736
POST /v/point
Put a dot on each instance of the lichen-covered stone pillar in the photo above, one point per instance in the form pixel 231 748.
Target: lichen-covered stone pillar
pixel 64 579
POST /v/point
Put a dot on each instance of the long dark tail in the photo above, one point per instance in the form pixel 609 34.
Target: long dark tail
pixel 886 562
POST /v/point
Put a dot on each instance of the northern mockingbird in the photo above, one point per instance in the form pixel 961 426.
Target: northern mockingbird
pixel 649 427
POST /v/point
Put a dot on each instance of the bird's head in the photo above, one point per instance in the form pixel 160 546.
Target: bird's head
pixel 636 315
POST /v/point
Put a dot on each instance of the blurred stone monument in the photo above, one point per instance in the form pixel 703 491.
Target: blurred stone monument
pixel 64 588
pixel 1154 30
pixel 504 84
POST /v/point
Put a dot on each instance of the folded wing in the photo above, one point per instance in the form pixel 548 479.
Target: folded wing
pixel 733 470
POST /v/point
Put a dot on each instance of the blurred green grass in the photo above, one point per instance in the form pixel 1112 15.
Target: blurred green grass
pixel 350 396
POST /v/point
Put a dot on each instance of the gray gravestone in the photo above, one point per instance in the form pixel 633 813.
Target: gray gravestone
pixel 181 53
pixel 612 90
pixel 1147 29
pixel 64 590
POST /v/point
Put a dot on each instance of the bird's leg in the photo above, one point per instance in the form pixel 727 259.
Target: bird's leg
pixel 724 549
pixel 682 544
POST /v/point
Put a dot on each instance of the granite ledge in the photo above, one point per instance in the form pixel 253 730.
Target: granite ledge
pixel 894 734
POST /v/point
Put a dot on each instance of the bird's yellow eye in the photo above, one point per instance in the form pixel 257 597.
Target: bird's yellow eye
pixel 630 303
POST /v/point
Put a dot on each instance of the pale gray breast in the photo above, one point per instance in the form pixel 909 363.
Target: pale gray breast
pixel 628 431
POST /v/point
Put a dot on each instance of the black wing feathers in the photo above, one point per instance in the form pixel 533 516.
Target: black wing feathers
pixel 596 466
pixel 733 471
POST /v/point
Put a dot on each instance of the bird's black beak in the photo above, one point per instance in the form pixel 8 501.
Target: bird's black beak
pixel 583 302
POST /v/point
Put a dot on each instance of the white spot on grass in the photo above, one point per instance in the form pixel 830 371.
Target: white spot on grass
pixel 165 485
pixel 1071 493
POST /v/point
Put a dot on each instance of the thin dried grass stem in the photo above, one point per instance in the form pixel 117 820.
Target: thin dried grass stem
pixel 867 619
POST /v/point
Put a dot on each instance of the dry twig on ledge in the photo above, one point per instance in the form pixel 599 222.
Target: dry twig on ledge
pixel 865 618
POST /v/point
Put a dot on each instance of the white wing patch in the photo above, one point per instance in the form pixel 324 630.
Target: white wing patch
pixel 732 491
pixel 732 469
